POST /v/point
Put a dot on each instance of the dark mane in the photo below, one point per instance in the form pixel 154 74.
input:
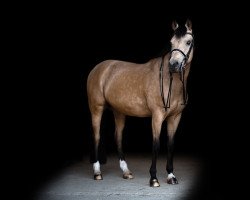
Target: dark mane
pixel 180 31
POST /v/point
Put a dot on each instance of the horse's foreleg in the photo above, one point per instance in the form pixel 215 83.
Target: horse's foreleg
pixel 96 122
pixel 119 126
pixel 173 122
pixel 156 130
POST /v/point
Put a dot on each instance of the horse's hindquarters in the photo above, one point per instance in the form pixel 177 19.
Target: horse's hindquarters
pixel 95 84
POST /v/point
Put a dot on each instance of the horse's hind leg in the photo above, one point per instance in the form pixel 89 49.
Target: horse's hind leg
pixel 119 125
pixel 96 114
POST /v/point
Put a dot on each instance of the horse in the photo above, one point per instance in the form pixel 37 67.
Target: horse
pixel 155 89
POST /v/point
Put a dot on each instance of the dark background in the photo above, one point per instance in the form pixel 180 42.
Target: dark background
pixel 62 43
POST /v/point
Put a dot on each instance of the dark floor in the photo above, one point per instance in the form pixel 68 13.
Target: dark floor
pixel 76 181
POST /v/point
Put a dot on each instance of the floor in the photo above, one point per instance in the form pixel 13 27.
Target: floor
pixel 76 181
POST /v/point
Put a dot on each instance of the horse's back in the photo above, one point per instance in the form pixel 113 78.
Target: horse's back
pixel 101 73
pixel 108 71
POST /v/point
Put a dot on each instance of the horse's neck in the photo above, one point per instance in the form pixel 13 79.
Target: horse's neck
pixel 156 64
pixel 177 84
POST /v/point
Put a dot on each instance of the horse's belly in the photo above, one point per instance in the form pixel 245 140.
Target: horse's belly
pixel 130 105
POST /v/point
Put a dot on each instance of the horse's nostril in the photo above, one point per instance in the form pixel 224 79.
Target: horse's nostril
pixel 175 64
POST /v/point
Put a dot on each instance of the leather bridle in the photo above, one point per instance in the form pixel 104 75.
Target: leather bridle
pixel 182 73
pixel 185 56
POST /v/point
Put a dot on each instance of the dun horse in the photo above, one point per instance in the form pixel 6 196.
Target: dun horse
pixel 156 88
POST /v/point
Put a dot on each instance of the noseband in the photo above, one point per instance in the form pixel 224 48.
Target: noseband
pixel 185 59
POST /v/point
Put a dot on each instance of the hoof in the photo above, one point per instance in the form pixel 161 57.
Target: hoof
pixel 154 183
pixel 98 177
pixel 128 175
pixel 172 181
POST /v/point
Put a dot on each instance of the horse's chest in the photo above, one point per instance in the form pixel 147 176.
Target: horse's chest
pixel 175 107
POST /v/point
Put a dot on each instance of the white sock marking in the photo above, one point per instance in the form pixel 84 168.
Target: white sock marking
pixel 96 167
pixel 124 166
pixel 171 175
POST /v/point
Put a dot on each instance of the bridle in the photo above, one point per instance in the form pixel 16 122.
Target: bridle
pixel 182 73
pixel 185 56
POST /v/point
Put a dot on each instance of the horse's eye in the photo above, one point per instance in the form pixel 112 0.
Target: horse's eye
pixel 188 42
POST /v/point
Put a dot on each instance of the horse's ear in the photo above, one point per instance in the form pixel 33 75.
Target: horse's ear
pixel 174 25
pixel 188 24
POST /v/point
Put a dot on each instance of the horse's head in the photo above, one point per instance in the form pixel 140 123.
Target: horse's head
pixel 182 46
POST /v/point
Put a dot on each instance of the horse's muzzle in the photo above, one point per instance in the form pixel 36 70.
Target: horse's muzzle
pixel 175 67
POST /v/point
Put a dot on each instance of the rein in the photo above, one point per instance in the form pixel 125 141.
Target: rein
pixel 166 105
pixel 182 75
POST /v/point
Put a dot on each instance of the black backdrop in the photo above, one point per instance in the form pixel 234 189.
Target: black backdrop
pixel 63 43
